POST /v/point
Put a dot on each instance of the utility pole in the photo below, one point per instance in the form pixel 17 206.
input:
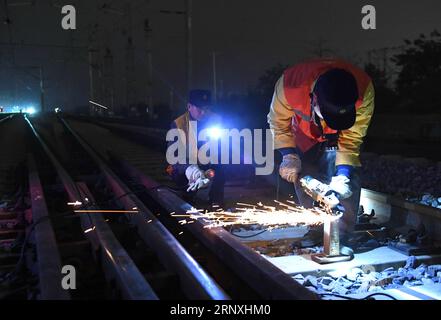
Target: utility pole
pixel 188 40
pixel 91 77
pixel 7 21
pixel 108 80
pixel 148 36
pixel 130 60
pixel 41 89
pixel 92 64
pixel 214 77
pixel 189 36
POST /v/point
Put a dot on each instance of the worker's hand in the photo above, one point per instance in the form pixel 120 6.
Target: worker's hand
pixel 340 184
pixel 196 178
pixel 290 167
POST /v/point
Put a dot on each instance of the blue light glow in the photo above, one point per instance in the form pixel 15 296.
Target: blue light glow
pixel 214 132
pixel 31 110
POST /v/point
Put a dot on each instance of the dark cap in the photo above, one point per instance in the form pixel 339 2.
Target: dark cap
pixel 337 93
pixel 200 98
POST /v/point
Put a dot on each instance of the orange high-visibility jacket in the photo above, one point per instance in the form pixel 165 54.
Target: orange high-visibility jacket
pixel 290 116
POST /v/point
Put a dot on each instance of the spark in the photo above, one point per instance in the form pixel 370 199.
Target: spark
pixel 280 215
pixel 75 204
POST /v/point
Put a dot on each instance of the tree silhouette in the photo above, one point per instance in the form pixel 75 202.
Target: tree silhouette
pixel 267 81
pixel 418 81
pixel 385 97
pixel 259 97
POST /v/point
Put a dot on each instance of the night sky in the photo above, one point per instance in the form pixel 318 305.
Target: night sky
pixel 249 36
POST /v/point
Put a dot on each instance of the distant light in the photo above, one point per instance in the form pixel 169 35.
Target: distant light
pixel 31 110
pixel 214 132
pixel 57 110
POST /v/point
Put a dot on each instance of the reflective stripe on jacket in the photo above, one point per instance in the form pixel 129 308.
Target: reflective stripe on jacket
pixel 290 113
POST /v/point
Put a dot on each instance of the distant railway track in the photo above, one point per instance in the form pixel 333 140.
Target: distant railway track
pixel 75 160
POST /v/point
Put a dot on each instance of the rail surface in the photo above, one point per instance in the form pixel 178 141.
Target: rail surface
pixel 48 256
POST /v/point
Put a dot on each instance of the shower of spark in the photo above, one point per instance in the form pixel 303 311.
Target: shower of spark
pixel 282 215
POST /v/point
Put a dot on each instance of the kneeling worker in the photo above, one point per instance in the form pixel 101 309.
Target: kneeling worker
pixel 319 115
pixel 193 176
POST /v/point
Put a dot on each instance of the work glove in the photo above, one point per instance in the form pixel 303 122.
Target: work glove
pixel 290 167
pixel 340 184
pixel 196 178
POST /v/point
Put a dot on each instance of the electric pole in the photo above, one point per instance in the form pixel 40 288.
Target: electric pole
pixel 148 36
pixel 130 60
pixel 188 40
pixel 214 77
pixel 109 87
pixel 92 66
pixel 41 89
pixel 188 33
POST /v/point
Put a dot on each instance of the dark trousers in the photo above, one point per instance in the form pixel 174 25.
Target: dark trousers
pixel 319 162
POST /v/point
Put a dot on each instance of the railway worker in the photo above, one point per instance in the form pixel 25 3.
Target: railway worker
pixel 319 115
pixel 193 176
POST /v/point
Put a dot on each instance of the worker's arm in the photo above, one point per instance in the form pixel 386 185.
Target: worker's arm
pixel 350 140
pixel 279 120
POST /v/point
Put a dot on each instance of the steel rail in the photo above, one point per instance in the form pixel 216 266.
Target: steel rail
pixel 195 282
pixel 9 117
pixel 269 281
pixel 117 264
pixel 48 256
pixel 399 212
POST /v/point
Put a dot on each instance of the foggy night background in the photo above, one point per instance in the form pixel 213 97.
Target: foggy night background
pixel 248 36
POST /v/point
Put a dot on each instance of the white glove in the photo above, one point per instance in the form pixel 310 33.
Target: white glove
pixel 290 167
pixel 196 178
pixel 340 184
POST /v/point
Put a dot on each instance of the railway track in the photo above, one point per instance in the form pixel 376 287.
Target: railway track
pixel 111 166
pixel 392 214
